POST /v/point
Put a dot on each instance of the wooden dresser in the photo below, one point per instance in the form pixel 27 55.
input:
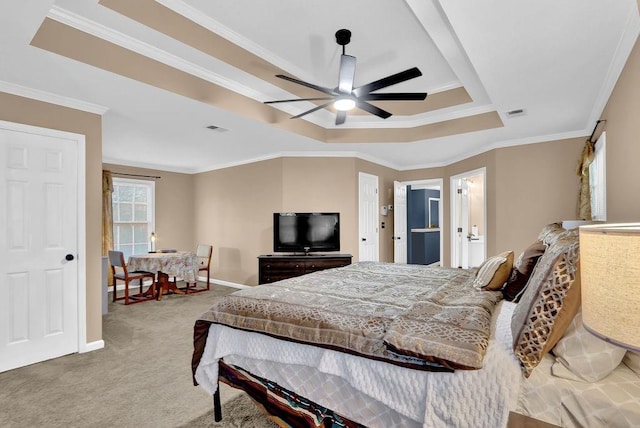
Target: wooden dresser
pixel 277 267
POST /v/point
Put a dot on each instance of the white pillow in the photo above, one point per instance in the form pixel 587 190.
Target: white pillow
pixel 494 272
pixel 584 357
pixel 632 360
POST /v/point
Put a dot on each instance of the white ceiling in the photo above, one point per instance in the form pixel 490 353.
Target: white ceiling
pixel 557 60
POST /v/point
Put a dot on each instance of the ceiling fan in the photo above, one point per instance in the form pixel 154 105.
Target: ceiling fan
pixel 345 97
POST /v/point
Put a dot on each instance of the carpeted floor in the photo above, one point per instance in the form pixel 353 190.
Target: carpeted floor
pixel 142 378
pixel 238 412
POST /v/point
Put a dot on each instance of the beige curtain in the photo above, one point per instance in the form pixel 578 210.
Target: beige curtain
pixel 107 218
pixel 584 197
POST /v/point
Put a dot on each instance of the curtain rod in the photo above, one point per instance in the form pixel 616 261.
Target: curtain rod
pixel 136 175
pixel 594 129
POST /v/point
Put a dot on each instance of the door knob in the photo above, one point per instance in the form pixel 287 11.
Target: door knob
pixel 364 239
pixel 69 257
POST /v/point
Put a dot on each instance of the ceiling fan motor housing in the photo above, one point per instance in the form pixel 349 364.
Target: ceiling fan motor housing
pixel 343 37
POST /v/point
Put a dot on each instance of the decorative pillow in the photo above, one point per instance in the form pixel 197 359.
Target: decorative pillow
pixel 632 360
pixel 549 303
pixel 584 357
pixel 494 272
pixel 522 270
pixel 550 233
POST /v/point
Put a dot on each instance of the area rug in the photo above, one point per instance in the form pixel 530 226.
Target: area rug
pixel 237 412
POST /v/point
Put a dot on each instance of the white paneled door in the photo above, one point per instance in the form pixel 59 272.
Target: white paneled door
pixel 38 247
pixel 368 215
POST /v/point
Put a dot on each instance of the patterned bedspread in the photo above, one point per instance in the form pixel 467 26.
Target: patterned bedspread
pixel 415 316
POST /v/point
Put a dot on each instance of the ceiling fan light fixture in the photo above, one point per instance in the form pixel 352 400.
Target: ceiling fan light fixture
pixel 344 104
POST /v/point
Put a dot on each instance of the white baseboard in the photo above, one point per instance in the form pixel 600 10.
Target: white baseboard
pixel 132 285
pixel 224 283
pixel 120 287
pixel 91 346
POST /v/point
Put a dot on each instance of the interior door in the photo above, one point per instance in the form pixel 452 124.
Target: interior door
pixel 399 222
pixel 368 215
pixel 460 222
pixel 38 247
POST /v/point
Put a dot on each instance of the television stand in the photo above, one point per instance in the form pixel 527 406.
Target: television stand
pixel 276 267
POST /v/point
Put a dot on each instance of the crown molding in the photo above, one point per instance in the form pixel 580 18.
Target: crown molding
pixel 48 97
pixel 620 56
pixel 281 155
pixel 502 145
pixel 256 159
pixel 358 155
pixel 153 166
pixel 123 40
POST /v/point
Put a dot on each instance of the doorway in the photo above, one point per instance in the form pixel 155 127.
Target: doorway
pixel 417 236
pixel 468 219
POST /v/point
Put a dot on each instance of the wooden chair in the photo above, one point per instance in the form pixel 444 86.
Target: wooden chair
pixel 116 258
pixel 203 253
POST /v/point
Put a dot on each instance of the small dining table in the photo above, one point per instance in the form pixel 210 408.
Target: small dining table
pixel 177 264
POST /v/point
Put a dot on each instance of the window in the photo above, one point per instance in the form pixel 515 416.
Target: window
pixel 133 215
pixel 597 181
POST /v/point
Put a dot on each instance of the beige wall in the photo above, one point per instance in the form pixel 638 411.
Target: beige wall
pixel 623 143
pixel 174 205
pixel 36 113
pixel 535 184
pixel 323 185
pixel 234 212
pixel 234 207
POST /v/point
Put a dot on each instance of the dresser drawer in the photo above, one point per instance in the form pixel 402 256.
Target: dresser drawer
pixel 322 264
pixel 283 265
pixel 276 268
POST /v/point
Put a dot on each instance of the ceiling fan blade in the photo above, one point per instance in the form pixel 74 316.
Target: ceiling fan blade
pixel 388 81
pixel 347 73
pixel 397 96
pixel 363 105
pixel 341 117
pixel 312 110
pixel 297 99
pixel 308 85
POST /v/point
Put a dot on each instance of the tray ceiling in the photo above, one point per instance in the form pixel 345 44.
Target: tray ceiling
pixel 162 71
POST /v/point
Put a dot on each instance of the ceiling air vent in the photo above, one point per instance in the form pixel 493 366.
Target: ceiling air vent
pixel 216 128
pixel 516 112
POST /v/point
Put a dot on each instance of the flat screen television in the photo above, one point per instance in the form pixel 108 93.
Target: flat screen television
pixel 306 232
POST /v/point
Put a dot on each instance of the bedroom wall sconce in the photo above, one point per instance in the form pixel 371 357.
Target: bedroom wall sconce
pixel 153 242
pixel 610 274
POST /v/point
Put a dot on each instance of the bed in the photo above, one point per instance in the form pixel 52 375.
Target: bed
pixel 378 344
